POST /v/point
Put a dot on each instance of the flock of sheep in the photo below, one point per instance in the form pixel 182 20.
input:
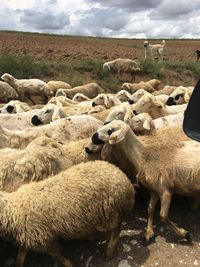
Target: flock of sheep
pixel 69 160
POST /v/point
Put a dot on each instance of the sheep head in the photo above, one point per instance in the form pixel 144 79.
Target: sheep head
pixel 6 77
pixel 112 133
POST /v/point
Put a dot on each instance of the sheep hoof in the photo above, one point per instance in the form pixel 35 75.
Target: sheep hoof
pixel 188 237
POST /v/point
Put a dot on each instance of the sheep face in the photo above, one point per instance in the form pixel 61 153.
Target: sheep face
pixel 123 95
pixel 106 66
pixel 79 97
pixel 122 112
pixel 146 43
pixel 46 115
pixel 141 122
pixel 112 133
pixel 101 99
pixel 8 109
pixel 6 77
pixel 178 97
pixel 137 95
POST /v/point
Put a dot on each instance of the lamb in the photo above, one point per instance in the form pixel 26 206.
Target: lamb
pixel 15 106
pixel 7 92
pixel 38 214
pixel 42 158
pixel 149 86
pixel 169 164
pixel 155 108
pixel 180 96
pixel 64 130
pixel 121 65
pixel 90 90
pixel 53 86
pixel 26 87
pixel 107 100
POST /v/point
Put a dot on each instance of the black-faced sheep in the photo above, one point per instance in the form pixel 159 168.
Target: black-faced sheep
pixel 37 215
pixel 169 164
pixel 15 106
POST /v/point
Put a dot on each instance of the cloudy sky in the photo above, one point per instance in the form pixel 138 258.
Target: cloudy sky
pixel 109 18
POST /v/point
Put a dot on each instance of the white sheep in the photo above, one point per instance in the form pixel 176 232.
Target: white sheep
pixel 107 100
pixel 167 90
pixel 7 92
pixel 155 108
pixel 26 87
pixel 123 95
pixel 139 93
pixel 122 65
pixel 90 90
pixel 80 97
pixel 168 164
pixel 180 96
pixel 38 214
pixel 15 106
pixel 64 130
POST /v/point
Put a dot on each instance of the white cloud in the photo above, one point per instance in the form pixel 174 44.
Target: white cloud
pixel 113 18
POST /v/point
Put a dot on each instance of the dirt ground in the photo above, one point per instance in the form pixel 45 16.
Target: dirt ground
pixel 65 47
pixel 167 250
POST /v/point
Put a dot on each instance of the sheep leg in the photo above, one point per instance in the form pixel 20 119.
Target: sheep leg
pixel 151 208
pixel 54 252
pixel 164 211
pixel 21 257
pixel 112 240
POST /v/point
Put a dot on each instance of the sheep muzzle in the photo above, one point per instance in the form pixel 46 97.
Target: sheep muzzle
pixel 36 121
pixel 96 140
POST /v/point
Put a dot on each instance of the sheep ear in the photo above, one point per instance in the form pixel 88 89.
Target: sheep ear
pixel 58 114
pixel 106 101
pixel 128 117
pixel 146 124
pixel 118 136
pixel 186 97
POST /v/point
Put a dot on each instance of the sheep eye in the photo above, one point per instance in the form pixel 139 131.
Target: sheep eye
pixel 177 97
pixel 48 111
pixel 110 131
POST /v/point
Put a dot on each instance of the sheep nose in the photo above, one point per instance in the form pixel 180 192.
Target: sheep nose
pixel 170 101
pixel 135 112
pixel 96 140
pixel 93 104
pixel 9 109
pixel 36 121
pixel 130 101
pixel 88 151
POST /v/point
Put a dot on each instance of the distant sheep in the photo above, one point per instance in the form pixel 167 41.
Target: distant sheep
pixel 7 92
pixel 64 130
pixel 15 106
pixel 49 206
pixel 180 96
pixel 26 87
pixel 149 86
pixel 90 90
pixel 122 65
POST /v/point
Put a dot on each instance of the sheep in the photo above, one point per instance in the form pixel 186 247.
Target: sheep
pixel 155 108
pixel 42 157
pixel 31 118
pixel 139 93
pixel 169 164
pixel 148 86
pixel 26 87
pixel 180 96
pixel 64 130
pixel 122 112
pixel 7 92
pixel 15 106
pixel 38 214
pixel 80 97
pixel 90 90
pixel 107 100
pixel 123 95
pixel 52 87
pixel 167 90
pixel 121 65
